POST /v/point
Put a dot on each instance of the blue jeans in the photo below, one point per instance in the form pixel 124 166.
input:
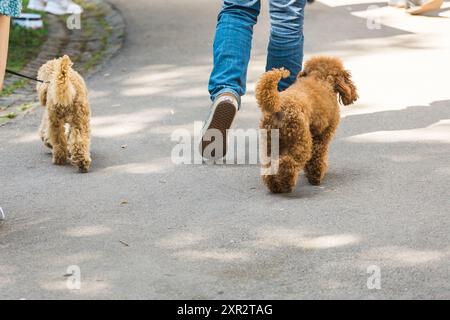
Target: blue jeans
pixel 233 42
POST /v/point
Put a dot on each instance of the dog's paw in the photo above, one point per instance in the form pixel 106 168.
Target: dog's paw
pixel 83 165
pixel 83 170
pixel 59 160
pixel 59 156
pixel 280 189
pixel 46 141
pixel 83 162
pixel 313 175
pixel 275 185
pixel 315 181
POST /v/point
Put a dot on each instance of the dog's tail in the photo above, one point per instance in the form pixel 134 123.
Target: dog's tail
pixel 65 92
pixel 267 94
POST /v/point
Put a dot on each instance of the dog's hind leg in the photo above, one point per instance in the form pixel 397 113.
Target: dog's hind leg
pixel 79 144
pixel 317 166
pixel 58 141
pixel 286 177
pixel 291 161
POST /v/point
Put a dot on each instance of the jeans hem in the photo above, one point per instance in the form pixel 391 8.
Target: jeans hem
pixel 228 90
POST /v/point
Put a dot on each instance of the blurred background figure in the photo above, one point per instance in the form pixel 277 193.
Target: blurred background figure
pixel 8 9
pixel 56 7
pixel 397 3
pixel 424 6
pixel 417 6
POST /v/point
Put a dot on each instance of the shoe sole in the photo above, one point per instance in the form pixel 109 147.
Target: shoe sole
pixel 221 119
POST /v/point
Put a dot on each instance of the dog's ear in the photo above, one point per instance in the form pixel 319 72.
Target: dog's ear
pixel 345 87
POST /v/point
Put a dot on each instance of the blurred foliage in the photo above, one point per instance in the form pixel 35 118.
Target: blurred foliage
pixel 24 44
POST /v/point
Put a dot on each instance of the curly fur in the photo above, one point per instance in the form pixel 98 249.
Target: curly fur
pixel 307 116
pixel 65 126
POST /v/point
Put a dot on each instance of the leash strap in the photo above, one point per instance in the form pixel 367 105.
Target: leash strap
pixel 24 76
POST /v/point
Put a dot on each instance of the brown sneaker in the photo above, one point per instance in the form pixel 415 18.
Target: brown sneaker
pixel 220 118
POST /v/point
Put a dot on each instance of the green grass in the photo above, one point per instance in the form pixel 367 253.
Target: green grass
pixel 24 44
pixel 13 87
pixel 24 107
pixel 88 30
pixel 10 115
pixel 7 117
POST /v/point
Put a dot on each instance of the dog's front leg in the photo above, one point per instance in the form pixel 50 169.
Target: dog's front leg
pixel 43 130
pixel 58 140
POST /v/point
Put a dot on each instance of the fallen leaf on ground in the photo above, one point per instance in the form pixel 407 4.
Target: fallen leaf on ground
pixel 124 243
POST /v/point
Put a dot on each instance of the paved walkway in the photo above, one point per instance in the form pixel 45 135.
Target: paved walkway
pixel 139 226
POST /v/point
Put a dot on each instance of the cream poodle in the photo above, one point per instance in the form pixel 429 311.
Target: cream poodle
pixel 65 126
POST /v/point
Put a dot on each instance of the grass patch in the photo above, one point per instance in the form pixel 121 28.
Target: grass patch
pixel 25 44
pixel 13 87
pixel 89 31
pixel 10 115
pixel 24 107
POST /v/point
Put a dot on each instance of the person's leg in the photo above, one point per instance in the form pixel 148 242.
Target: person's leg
pixel 4 38
pixel 232 46
pixel 425 6
pixel 286 38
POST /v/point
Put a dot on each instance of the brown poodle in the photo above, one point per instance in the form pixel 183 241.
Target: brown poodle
pixel 65 125
pixel 307 115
